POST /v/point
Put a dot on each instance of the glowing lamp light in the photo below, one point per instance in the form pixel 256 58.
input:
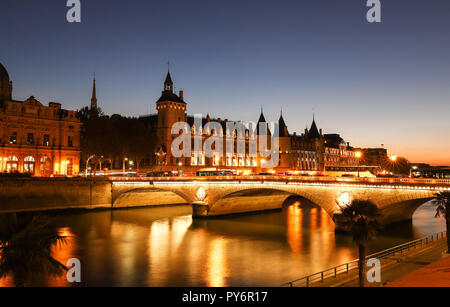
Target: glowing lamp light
pixel 358 154
pixel 201 193
pixel 344 199
pixel 393 158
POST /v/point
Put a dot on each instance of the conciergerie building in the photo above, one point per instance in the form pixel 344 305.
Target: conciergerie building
pixel 36 139
pixel 310 151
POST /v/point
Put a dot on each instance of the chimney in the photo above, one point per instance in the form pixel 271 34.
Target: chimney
pixel 182 95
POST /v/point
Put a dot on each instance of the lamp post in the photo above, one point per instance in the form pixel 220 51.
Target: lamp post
pixel 87 163
pixel 393 159
pixel 410 171
pixel 126 159
pixel 358 156
pixel 180 171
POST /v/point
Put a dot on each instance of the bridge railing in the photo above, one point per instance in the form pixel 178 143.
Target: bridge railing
pixel 333 272
pixel 425 181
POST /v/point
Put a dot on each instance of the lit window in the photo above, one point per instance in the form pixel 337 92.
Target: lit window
pixel 46 140
pixel 13 138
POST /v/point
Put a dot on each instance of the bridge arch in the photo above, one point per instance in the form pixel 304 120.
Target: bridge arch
pixel 260 199
pixel 403 209
pixel 148 196
pixel 214 197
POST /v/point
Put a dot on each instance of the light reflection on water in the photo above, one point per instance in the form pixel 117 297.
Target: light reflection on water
pixel 165 247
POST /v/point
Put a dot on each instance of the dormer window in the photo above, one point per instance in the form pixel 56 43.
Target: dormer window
pixel 46 140
pixel 13 138
pixel 30 139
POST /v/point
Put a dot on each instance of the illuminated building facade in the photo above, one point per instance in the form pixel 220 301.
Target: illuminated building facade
pixel 338 153
pixel 36 139
pixel 303 153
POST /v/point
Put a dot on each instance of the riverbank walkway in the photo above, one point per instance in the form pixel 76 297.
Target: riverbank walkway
pixel 420 265
pixel 396 268
pixel 436 274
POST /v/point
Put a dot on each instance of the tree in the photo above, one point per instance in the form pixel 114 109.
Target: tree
pixel 25 248
pixel 442 201
pixel 115 137
pixel 361 217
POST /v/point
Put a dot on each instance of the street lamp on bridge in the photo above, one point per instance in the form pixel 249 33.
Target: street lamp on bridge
pixel 358 156
pixel 123 165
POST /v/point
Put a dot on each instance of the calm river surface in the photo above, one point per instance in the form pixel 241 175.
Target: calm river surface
pixel 163 246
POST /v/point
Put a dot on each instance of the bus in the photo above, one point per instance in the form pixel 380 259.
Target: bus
pixel 215 173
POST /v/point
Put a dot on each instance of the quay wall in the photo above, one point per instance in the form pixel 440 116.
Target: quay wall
pixel 42 194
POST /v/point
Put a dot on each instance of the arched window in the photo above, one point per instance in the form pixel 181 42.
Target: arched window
pixel 12 164
pixel 46 165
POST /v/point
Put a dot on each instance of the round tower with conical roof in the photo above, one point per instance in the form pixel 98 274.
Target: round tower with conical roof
pixel 171 109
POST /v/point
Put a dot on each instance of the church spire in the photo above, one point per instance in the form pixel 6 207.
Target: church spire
pixel 168 84
pixel 94 97
pixel 283 131
pixel 313 131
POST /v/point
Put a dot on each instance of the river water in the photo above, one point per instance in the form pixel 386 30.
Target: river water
pixel 163 246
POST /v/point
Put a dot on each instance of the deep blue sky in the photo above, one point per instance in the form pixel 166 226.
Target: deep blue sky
pixel 375 84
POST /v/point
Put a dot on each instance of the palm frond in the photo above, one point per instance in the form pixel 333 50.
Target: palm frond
pixel 26 248
pixel 361 217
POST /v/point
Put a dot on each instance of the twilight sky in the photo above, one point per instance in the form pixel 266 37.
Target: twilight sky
pixel 374 84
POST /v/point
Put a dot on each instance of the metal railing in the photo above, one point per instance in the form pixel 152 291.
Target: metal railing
pixel 425 181
pixel 346 267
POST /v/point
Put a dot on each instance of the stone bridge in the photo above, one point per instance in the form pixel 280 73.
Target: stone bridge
pixel 215 196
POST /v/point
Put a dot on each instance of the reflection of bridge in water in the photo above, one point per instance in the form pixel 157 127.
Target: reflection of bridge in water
pixel 397 198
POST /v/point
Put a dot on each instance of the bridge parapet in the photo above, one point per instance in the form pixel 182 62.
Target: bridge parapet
pixel 212 196
pixel 408 181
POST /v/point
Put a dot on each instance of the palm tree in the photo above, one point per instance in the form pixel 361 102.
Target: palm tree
pixel 361 217
pixel 25 248
pixel 442 201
